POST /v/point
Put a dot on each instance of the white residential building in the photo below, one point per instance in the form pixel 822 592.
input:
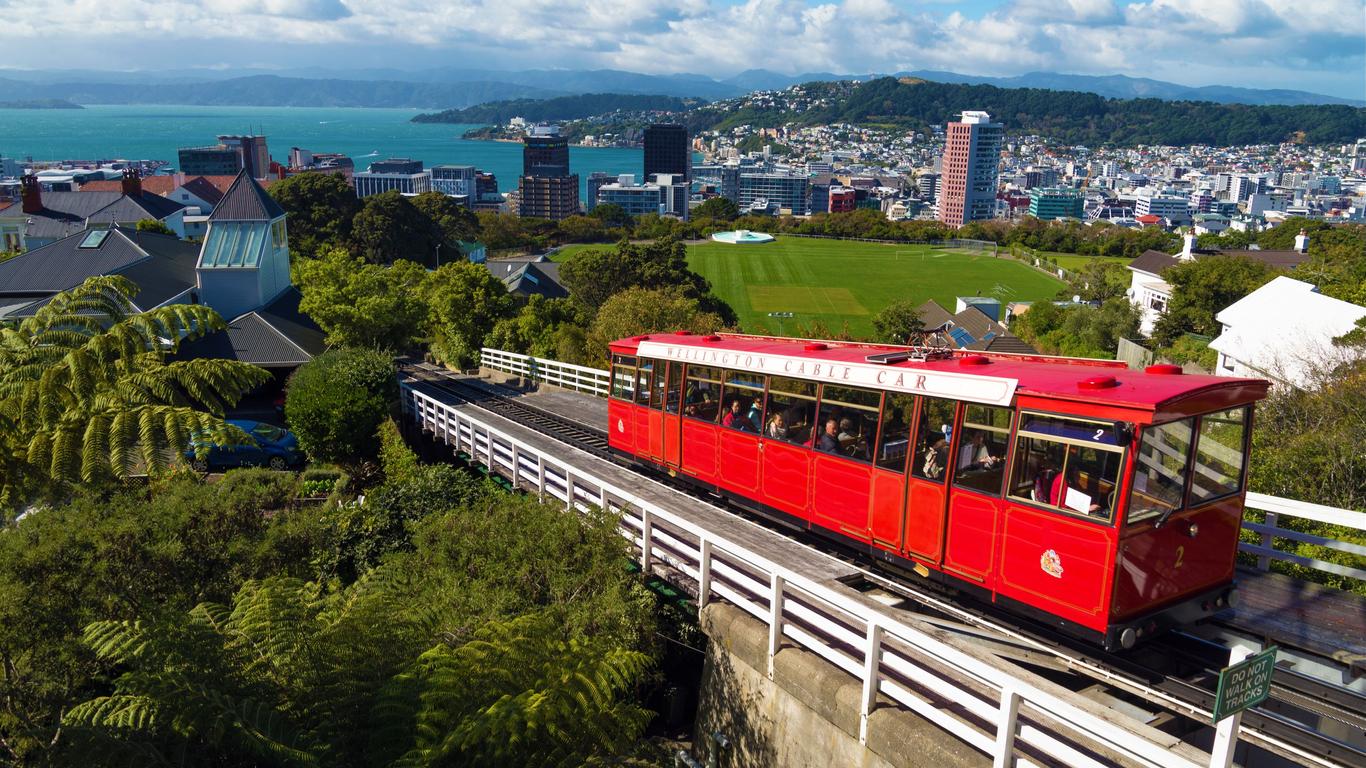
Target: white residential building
pixel 1283 331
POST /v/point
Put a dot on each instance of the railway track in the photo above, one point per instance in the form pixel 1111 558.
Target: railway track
pixel 1281 725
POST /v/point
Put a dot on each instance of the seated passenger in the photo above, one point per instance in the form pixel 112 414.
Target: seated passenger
pixel 847 433
pixel 737 418
pixel 756 414
pixel 777 427
pixel 830 440
pixel 1070 485
pixel 975 455
pixel 936 456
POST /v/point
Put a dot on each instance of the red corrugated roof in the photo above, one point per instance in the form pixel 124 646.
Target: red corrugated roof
pixel 164 185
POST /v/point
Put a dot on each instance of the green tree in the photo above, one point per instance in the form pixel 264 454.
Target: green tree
pixel 1202 288
pixel 335 403
pixel 465 301
pixel 389 228
pixel 502 231
pixel 360 304
pixel 87 392
pixel 98 556
pixel 1098 281
pixel 536 328
pixel 1078 330
pixel 637 310
pixel 719 208
pixel 320 207
pixel 595 275
pixel 612 215
pixel 897 323
pixel 455 220
pixel 156 227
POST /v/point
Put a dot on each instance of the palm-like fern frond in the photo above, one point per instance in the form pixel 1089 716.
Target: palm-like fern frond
pixel 86 389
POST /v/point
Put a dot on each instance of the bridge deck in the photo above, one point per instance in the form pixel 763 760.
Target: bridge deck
pixel 1322 620
pixel 1315 618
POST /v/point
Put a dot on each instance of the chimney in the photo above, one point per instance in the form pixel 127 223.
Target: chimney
pixel 1302 242
pixel 1187 246
pixel 32 193
pixel 132 182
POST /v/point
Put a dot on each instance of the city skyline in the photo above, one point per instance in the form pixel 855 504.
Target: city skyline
pixel 1265 44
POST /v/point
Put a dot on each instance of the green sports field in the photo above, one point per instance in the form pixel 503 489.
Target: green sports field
pixel 838 281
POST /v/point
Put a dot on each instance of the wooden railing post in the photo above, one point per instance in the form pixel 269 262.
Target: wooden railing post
pixel 703 574
pixel 1268 541
pixel 647 534
pixel 872 662
pixel 775 618
pixel 1007 718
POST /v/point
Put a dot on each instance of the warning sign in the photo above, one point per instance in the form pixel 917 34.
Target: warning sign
pixel 1245 684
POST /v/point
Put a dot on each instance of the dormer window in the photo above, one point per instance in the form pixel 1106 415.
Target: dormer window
pixel 277 234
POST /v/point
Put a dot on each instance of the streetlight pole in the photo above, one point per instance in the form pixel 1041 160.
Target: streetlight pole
pixel 438 255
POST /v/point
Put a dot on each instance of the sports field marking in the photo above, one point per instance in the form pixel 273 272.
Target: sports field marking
pixel 804 300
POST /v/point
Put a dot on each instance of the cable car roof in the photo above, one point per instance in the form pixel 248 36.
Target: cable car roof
pixel 987 377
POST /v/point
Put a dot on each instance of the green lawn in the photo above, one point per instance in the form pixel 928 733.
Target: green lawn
pixel 836 281
pixel 1072 261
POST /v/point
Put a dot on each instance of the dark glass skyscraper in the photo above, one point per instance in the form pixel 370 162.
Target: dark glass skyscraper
pixel 545 154
pixel 546 190
pixel 667 151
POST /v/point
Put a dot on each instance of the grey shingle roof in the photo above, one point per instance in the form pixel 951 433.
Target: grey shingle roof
pixel 67 212
pixel 245 200
pixel 275 336
pixel 1154 262
pixel 64 264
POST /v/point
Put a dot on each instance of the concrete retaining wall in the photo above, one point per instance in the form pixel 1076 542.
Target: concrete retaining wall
pixel 807 716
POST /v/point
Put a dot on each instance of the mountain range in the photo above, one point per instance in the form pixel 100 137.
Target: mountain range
pixel 450 87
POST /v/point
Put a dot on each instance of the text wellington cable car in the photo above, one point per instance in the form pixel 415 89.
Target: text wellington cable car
pixel 1103 500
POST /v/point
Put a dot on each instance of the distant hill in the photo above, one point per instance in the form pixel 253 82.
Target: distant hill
pixel 455 88
pixel 560 108
pixel 39 104
pixel 1085 118
pixel 274 91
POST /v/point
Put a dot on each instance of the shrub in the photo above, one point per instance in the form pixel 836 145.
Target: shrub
pixel 362 533
pixel 398 461
pixel 335 402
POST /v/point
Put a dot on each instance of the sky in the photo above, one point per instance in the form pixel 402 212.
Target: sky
pixel 1312 45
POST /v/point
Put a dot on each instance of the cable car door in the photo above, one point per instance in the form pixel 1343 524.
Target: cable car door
pixel 926 497
pixel 670 446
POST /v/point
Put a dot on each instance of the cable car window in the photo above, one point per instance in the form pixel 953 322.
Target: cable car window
pixel 1160 469
pixel 897 415
pixel 791 410
pixel 742 401
pixel 702 393
pixel 674 387
pixel 848 422
pixel 1071 465
pixel 644 381
pixel 932 439
pixel 1219 455
pixel 623 377
pixel 982 450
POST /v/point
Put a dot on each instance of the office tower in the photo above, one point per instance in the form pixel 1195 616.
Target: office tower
pixel 546 190
pixel 255 155
pixel 1048 203
pixel 595 181
pixel 454 180
pixel 972 150
pixel 397 173
pixel 667 151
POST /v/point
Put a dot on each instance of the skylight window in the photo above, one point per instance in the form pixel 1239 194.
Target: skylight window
pixel 94 239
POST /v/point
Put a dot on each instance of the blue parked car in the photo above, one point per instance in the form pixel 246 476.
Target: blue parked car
pixel 275 448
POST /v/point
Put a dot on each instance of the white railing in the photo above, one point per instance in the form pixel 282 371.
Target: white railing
pixel 1011 716
pixel 595 381
pixel 1277 508
pixel 579 378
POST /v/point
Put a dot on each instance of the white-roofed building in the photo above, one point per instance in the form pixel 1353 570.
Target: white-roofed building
pixel 1283 331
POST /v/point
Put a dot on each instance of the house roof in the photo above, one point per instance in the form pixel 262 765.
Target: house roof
pixel 526 276
pixel 1154 262
pixel 246 200
pixel 67 212
pixel 165 185
pixel 1285 328
pixel 276 335
pixel 160 265
pixel 972 329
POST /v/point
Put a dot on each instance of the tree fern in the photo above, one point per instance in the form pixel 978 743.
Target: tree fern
pixel 86 389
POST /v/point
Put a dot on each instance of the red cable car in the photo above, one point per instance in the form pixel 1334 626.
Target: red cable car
pixel 1104 501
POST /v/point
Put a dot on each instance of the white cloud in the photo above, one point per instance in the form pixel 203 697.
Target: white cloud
pixel 1284 43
